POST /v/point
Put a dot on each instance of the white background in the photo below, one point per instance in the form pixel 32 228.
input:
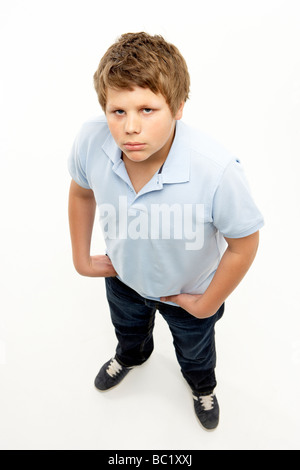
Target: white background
pixel 55 330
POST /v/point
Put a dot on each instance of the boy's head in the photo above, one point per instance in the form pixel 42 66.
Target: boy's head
pixel 138 59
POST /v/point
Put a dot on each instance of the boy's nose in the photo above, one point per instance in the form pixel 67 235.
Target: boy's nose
pixel 132 125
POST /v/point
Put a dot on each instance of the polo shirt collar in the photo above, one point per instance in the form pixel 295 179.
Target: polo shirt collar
pixel 112 150
pixel 176 168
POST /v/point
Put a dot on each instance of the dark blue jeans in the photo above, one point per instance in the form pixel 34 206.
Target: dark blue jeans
pixel 133 318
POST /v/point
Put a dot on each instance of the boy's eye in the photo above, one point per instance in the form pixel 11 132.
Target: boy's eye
pixel 121 112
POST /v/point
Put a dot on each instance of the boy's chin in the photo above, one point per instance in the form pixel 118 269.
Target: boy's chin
pixel 136 157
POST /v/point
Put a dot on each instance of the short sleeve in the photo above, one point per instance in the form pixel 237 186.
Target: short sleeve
pixel 77 163
pixel 234 211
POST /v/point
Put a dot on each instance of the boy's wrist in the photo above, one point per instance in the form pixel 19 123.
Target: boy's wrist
pixel 206 307
pixel 95 266
pixel 82 265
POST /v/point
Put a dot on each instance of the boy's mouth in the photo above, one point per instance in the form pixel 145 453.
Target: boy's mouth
pixel 134 145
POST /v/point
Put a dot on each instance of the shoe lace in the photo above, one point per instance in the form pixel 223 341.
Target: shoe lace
pixel 114 368
pixel 207 401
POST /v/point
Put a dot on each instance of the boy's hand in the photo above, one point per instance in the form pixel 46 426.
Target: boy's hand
pixel 234 264
pixel 189 302
pixel 99 266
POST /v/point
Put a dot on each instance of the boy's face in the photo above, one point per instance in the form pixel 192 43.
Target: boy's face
pixel 141 123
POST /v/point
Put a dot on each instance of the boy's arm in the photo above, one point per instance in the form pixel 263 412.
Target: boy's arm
pixel 82 208
pixel 233 266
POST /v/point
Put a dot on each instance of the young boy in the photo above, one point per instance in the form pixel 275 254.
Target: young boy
pixel 180 225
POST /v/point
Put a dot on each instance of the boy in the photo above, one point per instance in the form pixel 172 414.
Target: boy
pixel 180 226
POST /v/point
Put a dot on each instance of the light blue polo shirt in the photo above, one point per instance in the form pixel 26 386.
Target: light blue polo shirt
pixel 168 238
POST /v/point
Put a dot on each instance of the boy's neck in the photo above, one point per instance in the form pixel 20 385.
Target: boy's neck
pixel 140 173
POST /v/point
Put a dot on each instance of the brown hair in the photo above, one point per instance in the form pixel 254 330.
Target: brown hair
pixel 138 59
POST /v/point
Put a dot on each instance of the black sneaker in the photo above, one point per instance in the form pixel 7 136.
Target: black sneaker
pixel 207 410
pixel 110 374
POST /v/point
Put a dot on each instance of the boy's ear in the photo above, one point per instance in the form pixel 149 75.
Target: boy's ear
pixel 179 113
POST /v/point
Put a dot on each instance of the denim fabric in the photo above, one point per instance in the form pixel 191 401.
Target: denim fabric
pixel 133 318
